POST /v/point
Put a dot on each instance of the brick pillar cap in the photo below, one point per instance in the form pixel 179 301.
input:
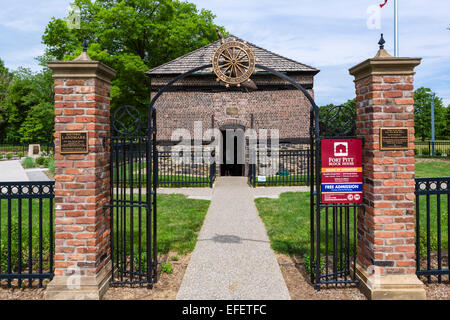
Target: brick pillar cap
pixel 384 64
pixel 82 67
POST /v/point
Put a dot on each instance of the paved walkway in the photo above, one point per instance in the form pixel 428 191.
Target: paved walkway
pixel 12 171
pixel 207 193
pixel 233 259
pixel 37 174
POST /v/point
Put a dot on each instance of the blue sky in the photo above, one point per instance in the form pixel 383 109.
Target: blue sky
pixel 330 35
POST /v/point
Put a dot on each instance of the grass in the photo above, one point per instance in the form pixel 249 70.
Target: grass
pixel 179 221
pixel 433 169
pixel 287 219
pixel 23 228
pixel 287 222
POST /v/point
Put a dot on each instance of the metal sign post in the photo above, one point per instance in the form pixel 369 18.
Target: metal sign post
pixel 396 39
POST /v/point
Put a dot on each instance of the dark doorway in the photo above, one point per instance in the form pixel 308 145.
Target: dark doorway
pixel 230 166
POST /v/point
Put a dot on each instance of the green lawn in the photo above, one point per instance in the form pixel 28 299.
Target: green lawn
pixel 433 169
pixel 287 222
pixel 287 219
pixel 179 221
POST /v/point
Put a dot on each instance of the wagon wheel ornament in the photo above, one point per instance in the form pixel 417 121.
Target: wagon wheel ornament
pixel 233 62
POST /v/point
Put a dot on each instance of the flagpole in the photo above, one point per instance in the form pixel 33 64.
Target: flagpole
pixel 396 40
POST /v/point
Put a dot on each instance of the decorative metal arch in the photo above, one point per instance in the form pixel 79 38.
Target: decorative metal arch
pixel 314 107
pixel 315 166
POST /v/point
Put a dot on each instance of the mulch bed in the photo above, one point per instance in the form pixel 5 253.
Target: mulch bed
pixel 24 293
pixel 295 276
pixel 437 291
pixel 300 287
pixel 165 289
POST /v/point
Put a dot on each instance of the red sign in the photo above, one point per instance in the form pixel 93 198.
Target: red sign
pixel 341 171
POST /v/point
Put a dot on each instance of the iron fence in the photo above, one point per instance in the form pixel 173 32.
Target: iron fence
pixel 432 225
pixel 16 149
pixel 13 149
pixel 26 232
pixel 178 169
pixel 429 148
pixel 175 169
pixel 284 167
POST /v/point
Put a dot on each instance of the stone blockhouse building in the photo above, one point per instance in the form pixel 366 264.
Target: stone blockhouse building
pixel 273 104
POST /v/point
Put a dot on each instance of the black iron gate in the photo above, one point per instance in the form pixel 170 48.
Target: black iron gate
pixel 134 181
pixel 133 165
pixel 333 226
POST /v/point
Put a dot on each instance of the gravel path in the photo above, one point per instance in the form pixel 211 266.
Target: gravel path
pixel 233 259
pixel 37 174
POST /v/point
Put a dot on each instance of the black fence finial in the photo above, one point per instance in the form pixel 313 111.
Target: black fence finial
pixel 381 42
pixel 85 45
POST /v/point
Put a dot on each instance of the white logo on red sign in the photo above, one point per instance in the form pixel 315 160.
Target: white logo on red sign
pixel 350 197
pixel 341 149
pixel 357 197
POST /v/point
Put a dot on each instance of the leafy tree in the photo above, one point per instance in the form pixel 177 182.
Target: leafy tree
pixel 39 123
pixel 422 115
pixel 446 130
pixel 27 91
pixel 132 36
pixel 5 80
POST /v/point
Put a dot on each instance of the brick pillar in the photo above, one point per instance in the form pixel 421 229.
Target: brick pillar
pixel 82 230
pixel 386 253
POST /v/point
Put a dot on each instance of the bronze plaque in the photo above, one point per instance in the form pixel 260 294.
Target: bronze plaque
pixel 74 142
pixel 232 111
pixel 394 139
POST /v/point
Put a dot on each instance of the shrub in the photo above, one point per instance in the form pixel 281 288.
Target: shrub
pixel 416 152
pixel 51 165
pixel 40 161
pixel 426 152
pixel 9 155
pixel 20 154
pixel 29 163
pixel 438 153
pixel 166 268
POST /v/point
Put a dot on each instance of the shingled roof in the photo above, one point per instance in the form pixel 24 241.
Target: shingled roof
pixel 202 56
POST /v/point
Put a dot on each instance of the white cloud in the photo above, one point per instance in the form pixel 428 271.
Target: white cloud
pixel 333 36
